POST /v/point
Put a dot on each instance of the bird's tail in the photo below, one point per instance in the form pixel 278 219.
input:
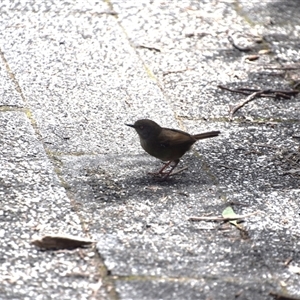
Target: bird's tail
pixel 205 135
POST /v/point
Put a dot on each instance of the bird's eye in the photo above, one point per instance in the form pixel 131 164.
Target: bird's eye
pixel 141 127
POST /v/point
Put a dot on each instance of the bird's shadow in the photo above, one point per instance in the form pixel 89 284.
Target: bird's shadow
pixel 192 175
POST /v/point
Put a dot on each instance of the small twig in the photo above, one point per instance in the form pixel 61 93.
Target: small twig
pixel 282 95
pixel 237 203
pixel 270 91
pixel 265 93
pixel 249 90
pixel 149 48
pixel 177 71
pixel 232 90
pixel 288 261
pixel 240 105
pixel 221 219
pixel 254 93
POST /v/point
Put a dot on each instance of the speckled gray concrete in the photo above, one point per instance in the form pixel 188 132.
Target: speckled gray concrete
pixel 72 73
pixel 82 71
pixel 147 233
pixel 9 95
pixel 33 202
pixel 195 54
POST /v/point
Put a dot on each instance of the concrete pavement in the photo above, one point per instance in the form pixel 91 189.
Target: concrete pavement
pixel 72 73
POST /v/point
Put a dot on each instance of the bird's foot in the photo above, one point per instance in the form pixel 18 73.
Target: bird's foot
pixel 165 175
pixel 178 171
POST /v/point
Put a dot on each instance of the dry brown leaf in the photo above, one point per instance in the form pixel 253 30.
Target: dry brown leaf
pixel 61 242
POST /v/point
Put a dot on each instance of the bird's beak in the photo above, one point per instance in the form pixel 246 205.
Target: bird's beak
pixel 130 125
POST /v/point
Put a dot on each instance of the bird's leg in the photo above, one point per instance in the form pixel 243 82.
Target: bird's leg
pixel 169 173
pixel 166 175
pixel 161 171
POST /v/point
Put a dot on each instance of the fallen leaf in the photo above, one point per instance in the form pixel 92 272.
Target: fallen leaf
pixel 252 57
pixel 56 242
pixel 228 212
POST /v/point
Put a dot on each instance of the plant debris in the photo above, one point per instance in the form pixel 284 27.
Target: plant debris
pixel 278 296
pixel 221 219
pixel 56 242
pixel 253 93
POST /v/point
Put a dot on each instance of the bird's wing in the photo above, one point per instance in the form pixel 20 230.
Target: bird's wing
pixel 172 137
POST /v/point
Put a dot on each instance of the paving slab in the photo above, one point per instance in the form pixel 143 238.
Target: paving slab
pixel 210 288
pixel 9 94
pixel 82 71
pixel 193 55
pixel 34 203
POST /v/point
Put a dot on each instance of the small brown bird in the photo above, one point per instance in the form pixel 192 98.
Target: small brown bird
pixel 166 144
